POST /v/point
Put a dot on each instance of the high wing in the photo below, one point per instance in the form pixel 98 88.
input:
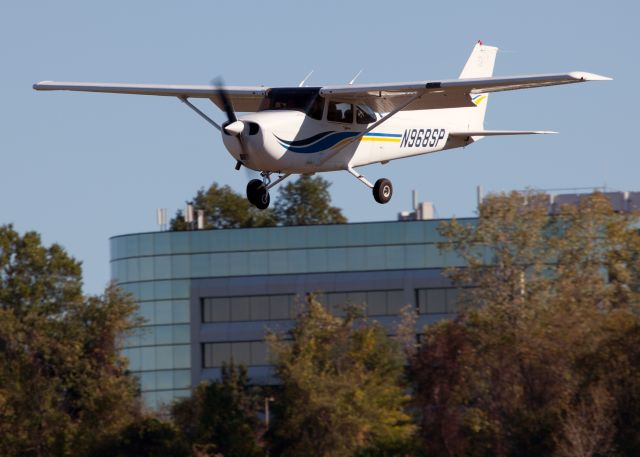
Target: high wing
pixel 382 98
pixel 452 93
pixel 243 98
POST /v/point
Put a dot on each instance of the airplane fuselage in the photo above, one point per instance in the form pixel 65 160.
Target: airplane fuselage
pixel 292 142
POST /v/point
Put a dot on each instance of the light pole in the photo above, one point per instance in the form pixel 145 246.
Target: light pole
pixel 267 400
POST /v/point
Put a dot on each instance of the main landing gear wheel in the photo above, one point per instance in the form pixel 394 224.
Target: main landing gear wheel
pixel 382 190
pixel 257 194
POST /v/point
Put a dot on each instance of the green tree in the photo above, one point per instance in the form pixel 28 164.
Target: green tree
pixel 342 389
pixel 147 437
pixel 543 358
pixel 307 201
pixel 63 384
pixel 224 208
pixel 221 416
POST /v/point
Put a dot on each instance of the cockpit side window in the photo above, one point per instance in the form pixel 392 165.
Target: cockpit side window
pixel 307 100
pixel 364 114
pixel 315 110
pixel 340 112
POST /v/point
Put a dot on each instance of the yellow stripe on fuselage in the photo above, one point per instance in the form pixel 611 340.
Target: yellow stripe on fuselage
pixel 374 138
pixel 367 138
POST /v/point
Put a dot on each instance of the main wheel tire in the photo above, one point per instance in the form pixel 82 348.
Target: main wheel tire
pixel 382 190
pixel 253 188
pixel 263 199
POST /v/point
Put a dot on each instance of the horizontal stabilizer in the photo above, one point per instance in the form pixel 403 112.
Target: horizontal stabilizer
pixel 500 133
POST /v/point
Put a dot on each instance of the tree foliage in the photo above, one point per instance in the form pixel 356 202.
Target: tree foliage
pixel 224 208
pixel 221 416
pixel 543 359
pixel 62 382
pixel 518 253
pixel 305 201
pixel 342 389
pixel 146 437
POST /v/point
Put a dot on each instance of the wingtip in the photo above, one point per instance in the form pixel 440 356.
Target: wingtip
pixel 40 85
pixel 585 76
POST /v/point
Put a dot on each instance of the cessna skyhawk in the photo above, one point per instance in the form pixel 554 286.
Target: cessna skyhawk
pixel 306 130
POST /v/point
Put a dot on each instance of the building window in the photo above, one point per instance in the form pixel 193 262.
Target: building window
pixel 438 301
pixel 283 306
pixel 248 308
pixel 375 302
pixel 248 353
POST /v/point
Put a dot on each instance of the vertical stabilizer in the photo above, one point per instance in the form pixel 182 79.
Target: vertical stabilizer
pixel 480 65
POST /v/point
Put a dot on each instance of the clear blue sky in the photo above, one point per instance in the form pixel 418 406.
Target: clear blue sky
pixel 80 168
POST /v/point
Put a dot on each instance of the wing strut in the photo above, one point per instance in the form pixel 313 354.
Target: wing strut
pixel 186 101
pixel 371 127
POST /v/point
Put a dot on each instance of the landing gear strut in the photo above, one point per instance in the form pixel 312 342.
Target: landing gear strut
pixel 382 189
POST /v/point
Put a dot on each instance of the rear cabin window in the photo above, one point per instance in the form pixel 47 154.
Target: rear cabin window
pixel 365 115
pixel 340 112
pixel 307 100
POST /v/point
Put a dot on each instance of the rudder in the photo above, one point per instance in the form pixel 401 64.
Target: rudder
pixel 479 65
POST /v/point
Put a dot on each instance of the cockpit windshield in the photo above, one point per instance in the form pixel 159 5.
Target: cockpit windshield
pixel 305 99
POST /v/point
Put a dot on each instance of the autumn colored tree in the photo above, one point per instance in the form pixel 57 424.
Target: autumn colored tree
pixel 63 384
pixel 342 389
pixel 541 360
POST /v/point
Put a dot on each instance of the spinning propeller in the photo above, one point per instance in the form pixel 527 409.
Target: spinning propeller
pixel 233 126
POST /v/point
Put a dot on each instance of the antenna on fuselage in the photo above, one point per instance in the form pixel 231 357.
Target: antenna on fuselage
pixel 356 76
pixel 305 79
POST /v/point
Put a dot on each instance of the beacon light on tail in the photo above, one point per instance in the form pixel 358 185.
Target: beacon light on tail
pixel 306 130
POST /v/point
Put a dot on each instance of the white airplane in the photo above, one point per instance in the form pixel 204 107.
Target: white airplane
pixel 341 127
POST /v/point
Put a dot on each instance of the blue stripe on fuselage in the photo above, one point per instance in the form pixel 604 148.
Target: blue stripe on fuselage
pixel 325 143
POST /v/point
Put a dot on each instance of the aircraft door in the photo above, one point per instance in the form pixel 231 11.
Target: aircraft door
pixel 364 116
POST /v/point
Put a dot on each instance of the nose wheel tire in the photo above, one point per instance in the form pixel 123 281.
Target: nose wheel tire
pixel 382 190
pixel 252 190
pixel 263 199
pixel 257 194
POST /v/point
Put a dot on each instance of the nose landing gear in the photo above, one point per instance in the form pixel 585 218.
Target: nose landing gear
pixel 257 194
pixel 258 189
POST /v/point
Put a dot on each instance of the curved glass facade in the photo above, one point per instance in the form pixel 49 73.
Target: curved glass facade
pixel 160 270
pixel 167 256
